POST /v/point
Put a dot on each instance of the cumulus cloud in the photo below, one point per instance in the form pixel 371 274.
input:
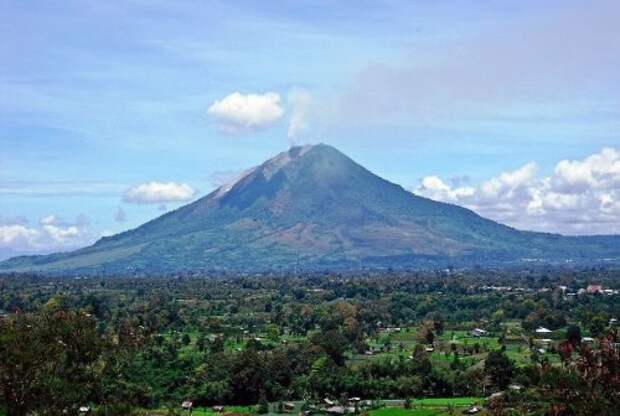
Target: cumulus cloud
pixel 158 193
pixel 51 234
pixel 599 171
pixel 238 113
pixel 16 234
pixel 62 234
pixel 579 197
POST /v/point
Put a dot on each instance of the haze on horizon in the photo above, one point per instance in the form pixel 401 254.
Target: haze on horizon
pixel 112 113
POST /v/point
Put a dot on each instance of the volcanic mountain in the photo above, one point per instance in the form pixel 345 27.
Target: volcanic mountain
pixel 313 208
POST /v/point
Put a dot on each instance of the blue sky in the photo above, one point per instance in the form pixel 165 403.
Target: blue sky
pixel 451 99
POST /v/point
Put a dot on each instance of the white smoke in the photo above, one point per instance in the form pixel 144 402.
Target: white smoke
pixel 300 102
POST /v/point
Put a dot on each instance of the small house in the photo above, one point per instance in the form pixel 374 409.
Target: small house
pixel 187 405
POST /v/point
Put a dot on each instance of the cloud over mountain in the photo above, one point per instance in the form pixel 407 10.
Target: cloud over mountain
pixel 579 197
pixel 238 113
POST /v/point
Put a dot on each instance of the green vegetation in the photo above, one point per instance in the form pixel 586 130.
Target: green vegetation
pixel 429 407
pixel 443 341
pixel 242 410
pixel 397 411
pixel 455 401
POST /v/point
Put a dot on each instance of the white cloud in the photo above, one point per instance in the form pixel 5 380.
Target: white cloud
pixel 62 234
pixel 238 113
pixel 17 234
pixel 599 171
pixel 580 197
pixel 52 234
pixel 158 193
pixel 50 219
pixel 435 188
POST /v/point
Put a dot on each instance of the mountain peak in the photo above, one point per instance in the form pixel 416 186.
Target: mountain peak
pixel 295 153
pixel 313 207
pixel 280 160
pixel 285 161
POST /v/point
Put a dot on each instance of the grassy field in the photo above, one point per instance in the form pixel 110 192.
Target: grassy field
pixel 399 411
pixel 430 407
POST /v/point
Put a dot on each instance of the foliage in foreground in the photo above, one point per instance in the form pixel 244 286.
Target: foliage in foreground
pixel 123 344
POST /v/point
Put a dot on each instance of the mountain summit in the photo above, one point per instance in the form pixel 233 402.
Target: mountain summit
pixel 312 207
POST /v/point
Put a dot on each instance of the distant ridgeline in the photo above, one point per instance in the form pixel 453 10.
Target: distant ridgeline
pixel 313 208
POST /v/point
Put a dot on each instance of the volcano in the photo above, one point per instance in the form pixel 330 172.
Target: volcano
pixel 313 208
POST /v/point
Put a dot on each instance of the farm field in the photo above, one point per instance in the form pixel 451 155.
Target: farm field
pixel 439 407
